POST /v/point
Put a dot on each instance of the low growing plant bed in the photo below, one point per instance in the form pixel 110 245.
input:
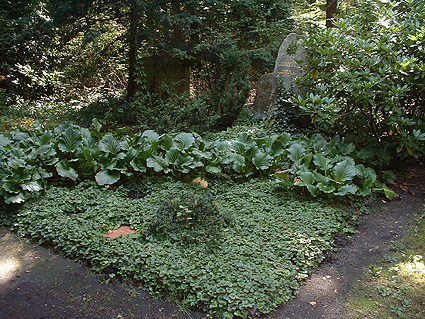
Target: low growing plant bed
pixel 232 249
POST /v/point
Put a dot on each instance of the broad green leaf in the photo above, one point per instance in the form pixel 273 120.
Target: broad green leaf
pixel 200 154
pixel 43 173
pixel 389 176
pixel 296 152
pixel 184 160
pixel 107 177
pixel 307 178
pixel 262 161
pixel 14 199
pixel 245 138
pixel 235 158
pixel 158 164
pixel 325 188
pixel 213 169
pixel 239 147
pixel 389 193
pixel 172 155
pixel 45 138
pixel 4 140
pixel 166 142
pixel 320 146
pixel 314 191
pixel 31 187
pixel 85 133
pixel 344 171
pixel 222 147
pixel 131 154
pixel 195 164
pixel 110 144
pixel 322 178
pixel 367 174
pixel 96 124
pixel 19 136
pixel 70 140
pixel 307 159
pixel 322 162
pixel 138 167
pixel 150 136
pixel 284 180
pixel 364 192
pixel 346 189
pixel 184 141
pixel 66 171
pixel 347 149
pixel 63 127
pixel 10 188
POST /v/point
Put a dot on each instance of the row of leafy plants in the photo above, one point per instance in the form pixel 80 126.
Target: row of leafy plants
pixel 30 158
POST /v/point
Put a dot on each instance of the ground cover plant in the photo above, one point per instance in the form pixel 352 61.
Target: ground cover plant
pixel 240 227
pixel 241 242
pixel 249 255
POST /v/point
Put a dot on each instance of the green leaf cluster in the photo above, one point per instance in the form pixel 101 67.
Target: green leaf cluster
pixel 73 153
pixel 365 79
pixel 257 261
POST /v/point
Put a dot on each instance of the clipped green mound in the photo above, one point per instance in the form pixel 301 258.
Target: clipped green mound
pixel 265 240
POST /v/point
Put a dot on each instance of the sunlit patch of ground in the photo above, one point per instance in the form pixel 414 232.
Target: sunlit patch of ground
pixel 394 287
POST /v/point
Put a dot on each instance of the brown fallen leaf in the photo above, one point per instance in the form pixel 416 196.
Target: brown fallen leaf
pixel 123 230
pixel 201 182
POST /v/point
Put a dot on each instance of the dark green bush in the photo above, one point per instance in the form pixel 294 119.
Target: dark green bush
pixel 366 79
pixel 175 113
pixel 189 217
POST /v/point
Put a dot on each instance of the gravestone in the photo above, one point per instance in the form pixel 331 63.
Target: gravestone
pixel 286 69
pixel 264 99
pixel 169 71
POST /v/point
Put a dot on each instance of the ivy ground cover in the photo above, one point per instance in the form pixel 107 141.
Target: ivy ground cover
pixel 232 248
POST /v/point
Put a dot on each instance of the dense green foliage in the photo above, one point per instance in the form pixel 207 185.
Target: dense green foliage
pixel 262 251
pixel 66 47
pixel 366 79
pixel 243 244
pixel 27 37
pixel 72 153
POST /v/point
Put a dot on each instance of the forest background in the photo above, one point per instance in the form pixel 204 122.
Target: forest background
pixel 66 65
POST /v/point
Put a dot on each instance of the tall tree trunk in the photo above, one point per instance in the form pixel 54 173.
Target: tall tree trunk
pixel 331 10
pixel 132 52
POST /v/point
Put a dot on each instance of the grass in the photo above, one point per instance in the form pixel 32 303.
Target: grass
pixel 394 287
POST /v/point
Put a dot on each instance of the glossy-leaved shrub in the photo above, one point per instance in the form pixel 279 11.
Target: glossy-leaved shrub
pixel 366 79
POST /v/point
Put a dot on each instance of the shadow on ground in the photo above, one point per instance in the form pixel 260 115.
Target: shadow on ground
pixel 36 283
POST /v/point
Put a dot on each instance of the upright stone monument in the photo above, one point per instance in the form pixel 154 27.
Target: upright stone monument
pixel 285 68
pixel 285 71
pixel 265 96
pixel 170 71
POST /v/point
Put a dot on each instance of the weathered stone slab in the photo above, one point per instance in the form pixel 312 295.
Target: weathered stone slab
pixel 264 99
pixel 171 72
pixel 286 69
